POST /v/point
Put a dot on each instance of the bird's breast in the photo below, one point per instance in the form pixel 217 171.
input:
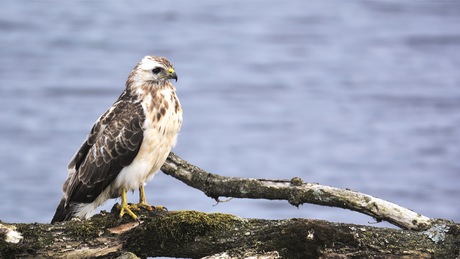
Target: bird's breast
pixel 162 123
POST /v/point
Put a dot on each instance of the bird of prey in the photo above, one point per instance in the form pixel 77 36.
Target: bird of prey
pixel 127 145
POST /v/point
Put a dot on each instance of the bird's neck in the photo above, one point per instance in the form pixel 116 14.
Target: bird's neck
pixel 143 88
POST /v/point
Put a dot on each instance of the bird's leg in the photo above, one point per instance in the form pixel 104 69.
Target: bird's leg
pixel 142 201
pixel 125 207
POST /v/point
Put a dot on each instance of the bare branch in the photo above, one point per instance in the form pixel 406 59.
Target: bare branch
pixel 295 191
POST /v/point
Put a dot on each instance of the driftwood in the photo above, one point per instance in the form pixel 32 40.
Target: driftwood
pixel 295 191
pixel 195 234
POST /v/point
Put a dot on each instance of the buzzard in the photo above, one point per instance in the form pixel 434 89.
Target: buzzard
pixel 127 145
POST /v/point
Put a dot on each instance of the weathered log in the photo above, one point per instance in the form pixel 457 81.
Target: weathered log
pixel 295 191
pixel 194 234
pixel 197 234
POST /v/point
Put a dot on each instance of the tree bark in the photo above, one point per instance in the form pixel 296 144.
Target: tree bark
pixel 295 191
pixel 194 234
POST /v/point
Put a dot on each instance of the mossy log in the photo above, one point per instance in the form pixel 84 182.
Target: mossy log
pixel 194 234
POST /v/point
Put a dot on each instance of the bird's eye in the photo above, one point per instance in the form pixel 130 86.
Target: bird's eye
pixel 156 70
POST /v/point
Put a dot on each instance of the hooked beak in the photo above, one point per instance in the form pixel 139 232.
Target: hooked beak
pixel 172 74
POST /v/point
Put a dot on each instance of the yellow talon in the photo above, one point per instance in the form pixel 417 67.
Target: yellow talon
pixel 125 207
pixel 142 201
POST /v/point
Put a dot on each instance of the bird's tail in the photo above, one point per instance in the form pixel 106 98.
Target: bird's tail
pixel 63 212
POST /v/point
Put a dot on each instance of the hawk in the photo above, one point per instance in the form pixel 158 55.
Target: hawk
pixel 127 145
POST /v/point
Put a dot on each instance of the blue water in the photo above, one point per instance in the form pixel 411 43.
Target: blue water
pixel 362 95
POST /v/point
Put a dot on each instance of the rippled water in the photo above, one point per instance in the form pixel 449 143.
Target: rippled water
pixel 361 95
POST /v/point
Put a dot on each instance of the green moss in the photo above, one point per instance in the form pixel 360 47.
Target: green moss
pixel 36 235
pixel 176 228
pixel 296 181
pixel 185 225
pixel 83 230
pixel 8 250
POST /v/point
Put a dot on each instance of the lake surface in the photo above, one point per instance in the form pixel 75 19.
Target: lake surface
pixel 360 95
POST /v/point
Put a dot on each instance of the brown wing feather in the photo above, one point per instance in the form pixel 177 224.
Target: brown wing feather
pixel 113 143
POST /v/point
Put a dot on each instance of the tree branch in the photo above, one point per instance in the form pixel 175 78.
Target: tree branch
pixel 295 191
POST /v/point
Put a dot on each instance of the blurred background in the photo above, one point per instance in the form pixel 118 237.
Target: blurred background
pixel 362 95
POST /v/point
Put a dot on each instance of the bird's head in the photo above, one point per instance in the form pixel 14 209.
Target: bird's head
pixel 153 70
